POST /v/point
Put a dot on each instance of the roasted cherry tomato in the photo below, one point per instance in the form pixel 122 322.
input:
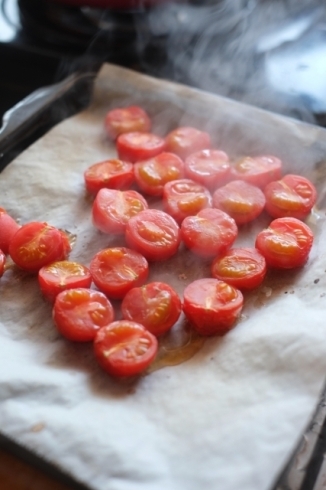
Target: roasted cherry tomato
pixel 151 175
pixel 258 170
pixel 37 244
pixel 286 243
pixel 209 233
pixel 243 201
pixel 79 313
pixel 125 348
pixel 293 195
pixel 125 120
pixel 111 174
pixel 2 262
pixel 154 234
pixel 61 275
pixel 184 197
pixel 116 270
pixel 212 306
pixel 186 140
pixel 134 147
pixel 113 209
pixel 243 268
pixel 208 167
pixel 156 305
pixel 8 228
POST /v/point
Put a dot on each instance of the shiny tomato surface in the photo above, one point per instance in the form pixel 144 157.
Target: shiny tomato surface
pixel 259 170
pixel 156 305
pixel 186 140
pixel 286 243
pixel 112 209
pixel 208 167
pixel 2 262
pixel 126 120
pixel 116 270
pixel 79 313
pixel 111 174
pixel 212 306
pixel 136 146
pixel 8 228
pixel 125 348
pixel 151 175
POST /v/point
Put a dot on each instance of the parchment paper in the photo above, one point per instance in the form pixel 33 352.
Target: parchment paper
pixel 227 418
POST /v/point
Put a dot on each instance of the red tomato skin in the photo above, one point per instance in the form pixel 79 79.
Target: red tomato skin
pixel 59 276
pixel 156 306
pixel 243 201
pixel 79 313
pixel 8 228
pixel 2 263
pixel 138 348
pixel 160 169
pixel 286 243
pixel 136 146
pixel 126 119
pixel 184 197
pixel 209 233
pixel 112 209
pixel 228 268
pixel 35 245
pixel 186 140
pixel 210 168
pixel 258 171
pixel 156 224
pixel 110 174
pixel 303 194
pixel 206 312
pixel 116 270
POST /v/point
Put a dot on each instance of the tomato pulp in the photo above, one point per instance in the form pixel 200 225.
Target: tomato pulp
pixel 208 167
pixel 186 140
pixel 8 228
pixel 151 175
pixel 258 170
pixel 111 174
pixel 125 120
pixel 136 146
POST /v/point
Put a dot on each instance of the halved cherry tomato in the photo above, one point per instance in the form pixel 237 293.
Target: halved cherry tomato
pixel 126 119
pixel 125 348
pixel 37 244
pixel 154 234
pixel 208 167
pixel 258 170
pixel 184 197
pixel 113 209
pixel 61 275
pixel 111 174
pixel 293 195
pixel 243 268
pixel 2 262
pixel 79 313
pixel 209 233
pixel 8 228
pixel 116 270
pixel 286 243
pixel 212 306
pixel 136 146
pixel 243 201
pixel 151 175
pixel 186 140
pixel 156 305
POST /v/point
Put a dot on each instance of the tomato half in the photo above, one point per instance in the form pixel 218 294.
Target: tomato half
pixel 79 313
pixel 293 195
pixel 209 233
pixel 184 197
pixel 212 306
pixel 61 275
pixel 136 146
pixel 156 305
pixel 37 244
pixel 243 268
pixel 186 140
pixel 243 201
pixel 208 167
pixel 111 174
pixel 151 175
pixel 286 243
pixel 258 170
pixel 2 262
pixel 8 228
pixel 113 209
pixel 116 270
pixel 154 234
pixel 126 119
pixel 125 348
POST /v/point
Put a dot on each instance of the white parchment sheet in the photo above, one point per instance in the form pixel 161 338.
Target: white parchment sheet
pixel 229 417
